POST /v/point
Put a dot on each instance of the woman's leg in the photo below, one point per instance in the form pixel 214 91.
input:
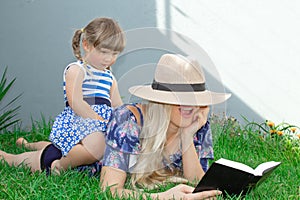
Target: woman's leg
pixel 30 159
pixel 32 145
pixel 89 151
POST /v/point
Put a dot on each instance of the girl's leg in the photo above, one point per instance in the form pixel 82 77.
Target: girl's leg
pixel 95 144
pixel 32 145
pixel 89 151
pixel 30 159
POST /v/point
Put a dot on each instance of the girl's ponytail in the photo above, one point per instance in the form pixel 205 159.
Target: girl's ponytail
pixel 76 44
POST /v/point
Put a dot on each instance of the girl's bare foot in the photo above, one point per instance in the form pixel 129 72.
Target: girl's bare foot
pixel 56 167
pixel 21 142
pixel 3 156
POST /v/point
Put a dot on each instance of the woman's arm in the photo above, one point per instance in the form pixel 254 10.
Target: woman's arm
pixel 185 192
pixel 74 80
pixel 115 180
pixel 192 168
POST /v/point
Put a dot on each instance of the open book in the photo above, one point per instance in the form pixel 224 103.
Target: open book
pixel 234 178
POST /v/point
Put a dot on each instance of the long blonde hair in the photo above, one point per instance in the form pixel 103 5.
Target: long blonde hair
pixel 149 169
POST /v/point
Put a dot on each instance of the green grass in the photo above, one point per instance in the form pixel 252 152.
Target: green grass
pixel 230 141
pixel 247 145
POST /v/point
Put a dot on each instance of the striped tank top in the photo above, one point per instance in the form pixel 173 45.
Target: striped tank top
pixel 96 83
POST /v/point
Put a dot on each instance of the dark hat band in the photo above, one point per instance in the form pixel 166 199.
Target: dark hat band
pixel 199 87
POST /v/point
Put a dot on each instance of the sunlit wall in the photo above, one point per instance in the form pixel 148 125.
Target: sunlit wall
pixel 255 46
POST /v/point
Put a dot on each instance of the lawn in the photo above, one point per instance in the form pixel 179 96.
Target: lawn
pixel 251 144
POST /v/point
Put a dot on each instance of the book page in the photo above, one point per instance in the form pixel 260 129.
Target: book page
pixel 236 165
pixel 260 169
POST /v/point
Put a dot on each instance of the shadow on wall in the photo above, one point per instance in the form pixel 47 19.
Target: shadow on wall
pixel 143 50
pixel 36 45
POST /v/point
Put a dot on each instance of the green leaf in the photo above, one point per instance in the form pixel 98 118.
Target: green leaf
pixel 7 114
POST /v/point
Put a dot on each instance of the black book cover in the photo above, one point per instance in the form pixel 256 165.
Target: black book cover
pixel 230 180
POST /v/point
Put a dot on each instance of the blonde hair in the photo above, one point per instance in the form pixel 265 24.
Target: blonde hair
pixel 149 170
pixel 100 33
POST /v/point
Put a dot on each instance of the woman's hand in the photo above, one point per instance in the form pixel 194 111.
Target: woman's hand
pixel 199 120
pixel 202 115
pixel 185 192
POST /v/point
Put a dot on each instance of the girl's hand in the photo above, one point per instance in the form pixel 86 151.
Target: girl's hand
pixel 98 117
pixel 185 192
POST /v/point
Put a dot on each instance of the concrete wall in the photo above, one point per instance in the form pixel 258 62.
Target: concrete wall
pixel 35 38
pixel 249 49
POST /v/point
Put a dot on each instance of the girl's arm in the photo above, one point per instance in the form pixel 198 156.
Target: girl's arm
pixel 115 95
pixel 74 80
pixel 114 179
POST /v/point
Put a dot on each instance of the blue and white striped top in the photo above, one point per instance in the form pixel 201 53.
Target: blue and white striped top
pixel 96 83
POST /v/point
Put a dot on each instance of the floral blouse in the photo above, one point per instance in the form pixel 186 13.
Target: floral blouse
pixel 123 144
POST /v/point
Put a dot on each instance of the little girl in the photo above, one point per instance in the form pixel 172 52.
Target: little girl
pixel 90 91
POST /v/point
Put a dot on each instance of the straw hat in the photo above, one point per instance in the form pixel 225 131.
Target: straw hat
pixel 178 80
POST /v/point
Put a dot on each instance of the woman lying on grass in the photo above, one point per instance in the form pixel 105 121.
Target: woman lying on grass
pixel 165 140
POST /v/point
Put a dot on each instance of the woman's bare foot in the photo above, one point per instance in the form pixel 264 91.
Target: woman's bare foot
pixel 21 142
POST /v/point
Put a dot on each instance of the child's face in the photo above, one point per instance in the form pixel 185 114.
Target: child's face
pixel 101 58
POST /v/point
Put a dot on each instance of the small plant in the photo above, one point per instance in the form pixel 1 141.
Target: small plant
pixel 228 124
pixel 7 114
pixel 287 134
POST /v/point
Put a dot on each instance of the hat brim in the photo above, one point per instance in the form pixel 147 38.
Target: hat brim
pixel 179 98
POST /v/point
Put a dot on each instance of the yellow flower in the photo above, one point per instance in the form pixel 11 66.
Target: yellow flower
pixel 293 129
pixel 270 124
pixel 298 135
pixel 273 131
pixel 280 133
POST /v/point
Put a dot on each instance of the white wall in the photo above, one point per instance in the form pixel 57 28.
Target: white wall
pixel 255 46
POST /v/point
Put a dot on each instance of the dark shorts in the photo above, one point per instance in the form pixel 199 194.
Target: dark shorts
pixel 49 154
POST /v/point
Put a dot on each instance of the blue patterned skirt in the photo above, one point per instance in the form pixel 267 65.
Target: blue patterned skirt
pixel 69 128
